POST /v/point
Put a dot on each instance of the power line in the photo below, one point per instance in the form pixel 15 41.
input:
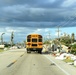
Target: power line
pixel 68 19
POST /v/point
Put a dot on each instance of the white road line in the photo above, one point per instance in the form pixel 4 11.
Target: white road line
pixel 58 66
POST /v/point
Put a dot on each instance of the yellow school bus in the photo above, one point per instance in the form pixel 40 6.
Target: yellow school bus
pixel 34 43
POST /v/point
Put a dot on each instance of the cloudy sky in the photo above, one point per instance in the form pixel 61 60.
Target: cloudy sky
pixel 36 16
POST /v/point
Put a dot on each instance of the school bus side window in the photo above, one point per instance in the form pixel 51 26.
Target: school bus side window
pixel 28 40
pixel 40 40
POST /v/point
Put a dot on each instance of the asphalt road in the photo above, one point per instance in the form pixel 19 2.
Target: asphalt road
pixel 34 64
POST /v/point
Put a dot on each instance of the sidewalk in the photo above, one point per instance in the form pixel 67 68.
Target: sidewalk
pixel 66 68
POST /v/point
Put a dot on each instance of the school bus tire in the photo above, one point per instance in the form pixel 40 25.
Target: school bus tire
pixel 40 52
pixel 28 51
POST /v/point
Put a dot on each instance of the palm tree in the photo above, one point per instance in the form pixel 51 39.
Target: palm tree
pixel 12 37
pixel 72 37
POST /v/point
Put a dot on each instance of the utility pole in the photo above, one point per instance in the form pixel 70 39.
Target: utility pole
pixel 59 37
pixel 58 32
pixel 49 36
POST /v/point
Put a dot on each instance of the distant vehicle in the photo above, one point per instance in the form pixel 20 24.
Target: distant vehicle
pixel 34 43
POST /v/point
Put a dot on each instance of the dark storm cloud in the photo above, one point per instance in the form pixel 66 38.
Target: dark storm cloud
pixel 33 15
pixel 36 13
pixel 33 3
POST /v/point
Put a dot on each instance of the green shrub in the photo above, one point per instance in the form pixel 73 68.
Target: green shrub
pixel 74 46
pixel 1 50
pixel 73 52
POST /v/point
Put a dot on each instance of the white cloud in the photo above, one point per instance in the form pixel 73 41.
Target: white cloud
pixel 41 31
pixel 16 30
pixel 9 29
pixel 38 31
pixel 68 3
pixel 46 30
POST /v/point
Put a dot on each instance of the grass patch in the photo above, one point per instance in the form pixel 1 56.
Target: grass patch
pixel 1 50
pixel 68 60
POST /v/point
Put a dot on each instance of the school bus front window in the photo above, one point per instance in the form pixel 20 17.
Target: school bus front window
pixel 34 40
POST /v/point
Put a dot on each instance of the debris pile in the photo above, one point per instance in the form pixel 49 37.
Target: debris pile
pixel 75 63
pixel 67 56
